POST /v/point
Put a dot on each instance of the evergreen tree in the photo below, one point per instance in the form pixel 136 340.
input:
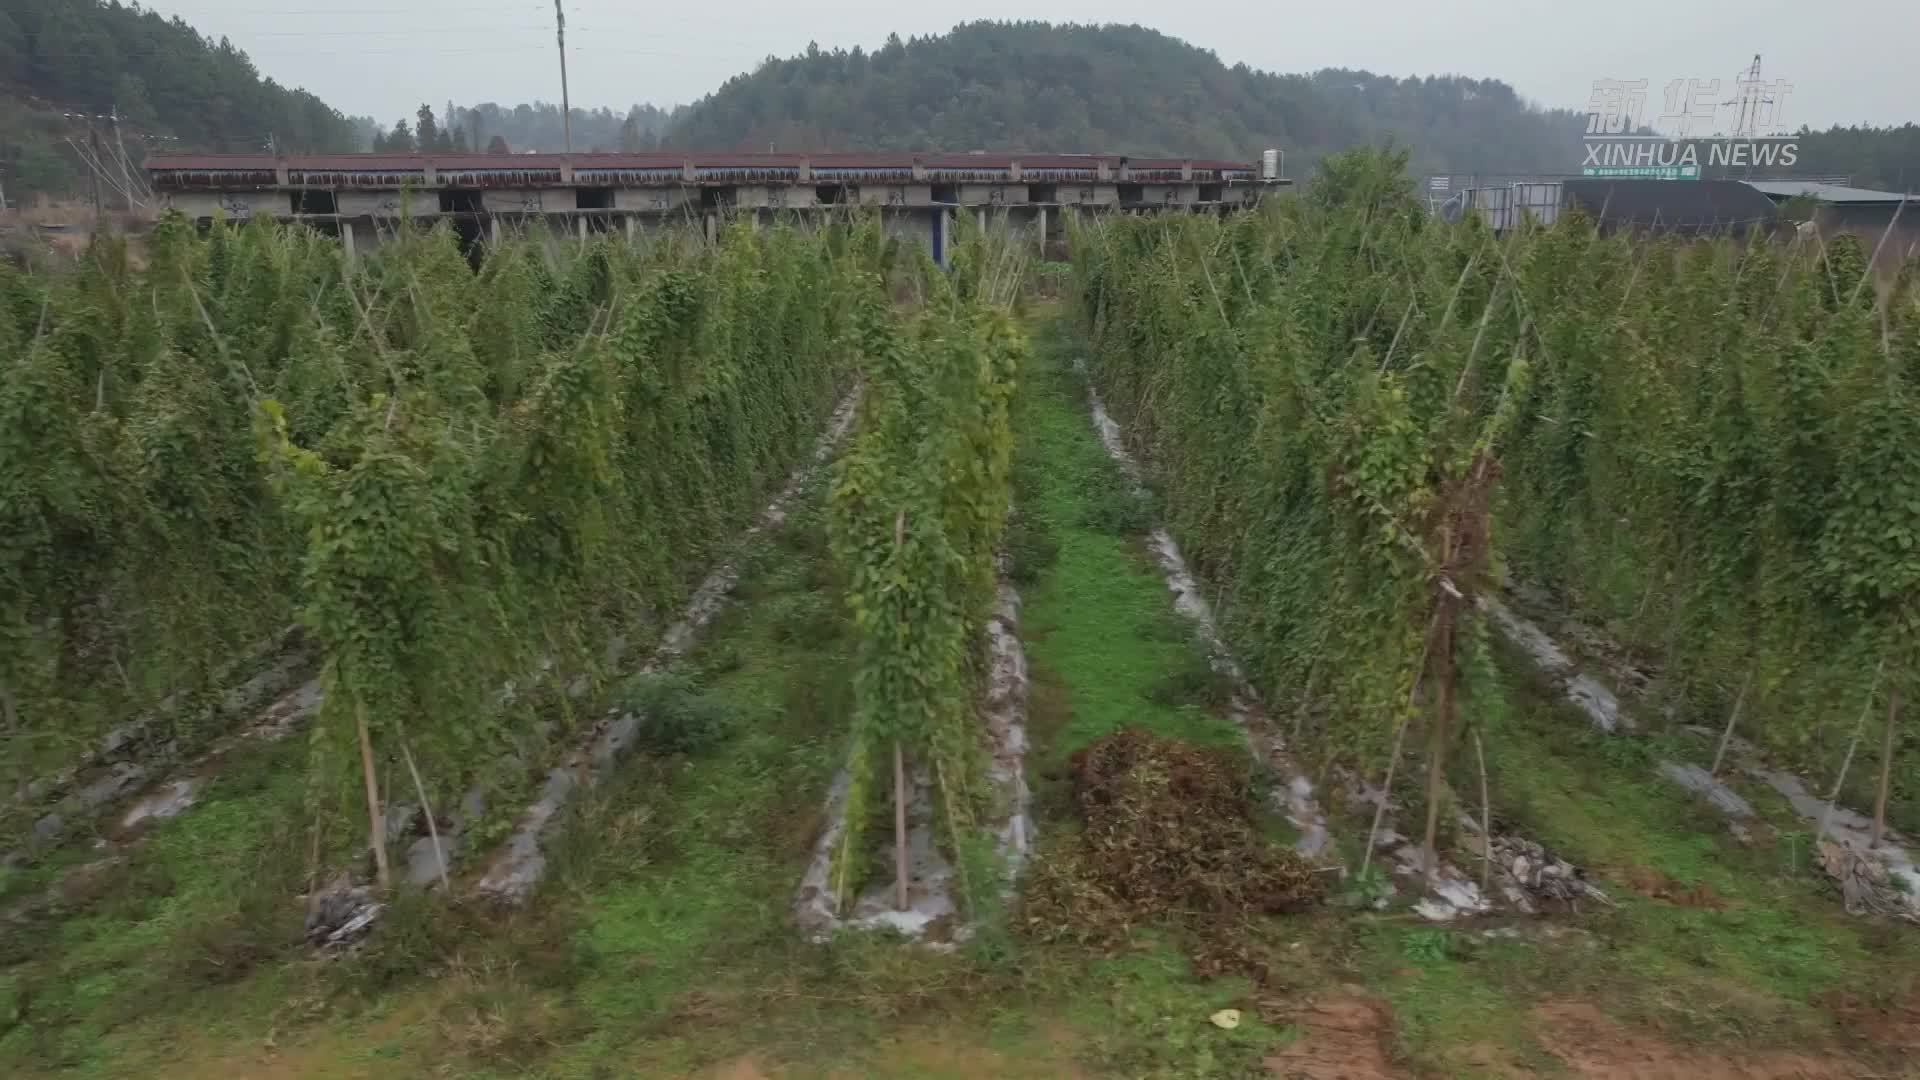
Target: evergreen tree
pixel 400 140
pixel 426 131
pixel 537 125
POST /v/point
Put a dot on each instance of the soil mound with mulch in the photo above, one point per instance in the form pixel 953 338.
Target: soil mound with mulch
pixel 1169 837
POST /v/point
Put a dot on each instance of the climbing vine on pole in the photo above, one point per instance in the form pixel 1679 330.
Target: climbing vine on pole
pixel 1360 417
pixel 467 488
pixel 919 502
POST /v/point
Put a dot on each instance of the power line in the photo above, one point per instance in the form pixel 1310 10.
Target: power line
pixel 423 31
pixel 269 13
pixel 384 31
pixel 301 52
pixel 125 54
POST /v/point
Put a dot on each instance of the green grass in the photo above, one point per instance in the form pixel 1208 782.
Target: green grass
pixel 1754 971
pixel 186 910
pixel 690 908
pixel 1747 951
pixel 661 946
pixel 661 943
pixel 1106 648
pixel 1450 991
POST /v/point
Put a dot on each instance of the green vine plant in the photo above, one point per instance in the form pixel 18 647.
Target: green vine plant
pixel 1322 389
pixel 142 550
pixel 918 507
pixel 1730 500
pixel 1360 418
pixel 456 480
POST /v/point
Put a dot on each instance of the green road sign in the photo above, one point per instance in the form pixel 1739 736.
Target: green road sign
pixel 1645 172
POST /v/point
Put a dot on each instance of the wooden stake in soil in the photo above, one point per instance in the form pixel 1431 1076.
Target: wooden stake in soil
pixel 899 827
pixel 899 771
pixel 426 807
pixel 376 821
pixel 1306 701
pixel 1486 816
pixel 1399 737
pixel 1833 796
pixel 1886 767
pixel 1386 788
pixel 1438 733
pixel 1733 718
pixel 313 853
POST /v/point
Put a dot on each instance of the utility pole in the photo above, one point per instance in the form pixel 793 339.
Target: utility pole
pixel 1750 99
pixel 93 173
pixel 120 157
pixel 566 109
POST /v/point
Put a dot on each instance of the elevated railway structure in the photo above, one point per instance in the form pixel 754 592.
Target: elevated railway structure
pixel 361 197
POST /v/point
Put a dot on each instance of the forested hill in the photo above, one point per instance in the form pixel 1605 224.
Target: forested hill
pixel 1116 89
pixel 1887 158
pixel 537 126
pixel 171 87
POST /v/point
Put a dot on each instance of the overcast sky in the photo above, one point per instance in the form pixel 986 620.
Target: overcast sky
pixel 1849 62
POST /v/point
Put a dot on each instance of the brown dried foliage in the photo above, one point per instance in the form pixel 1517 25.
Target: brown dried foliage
pixel 1169 837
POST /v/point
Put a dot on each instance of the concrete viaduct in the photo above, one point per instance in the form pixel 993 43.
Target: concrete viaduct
pixel 359 196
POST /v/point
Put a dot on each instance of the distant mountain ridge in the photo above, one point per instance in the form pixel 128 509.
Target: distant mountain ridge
pixel 1031 86
pixel 1014 86
pixel 166 85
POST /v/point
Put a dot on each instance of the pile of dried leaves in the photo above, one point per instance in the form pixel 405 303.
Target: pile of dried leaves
pixel 1169 837
pixel 1864 882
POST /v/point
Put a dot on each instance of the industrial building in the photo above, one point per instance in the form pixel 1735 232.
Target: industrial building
pixel 1887 220
pixel 1685 206
pixel 360 196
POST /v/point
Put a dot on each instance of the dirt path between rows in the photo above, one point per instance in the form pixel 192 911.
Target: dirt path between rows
pixel 1348 1035
pixel 1344 1037
pixel 1592 1044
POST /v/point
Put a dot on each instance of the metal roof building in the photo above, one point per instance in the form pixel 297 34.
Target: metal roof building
pixel 1691 206
pixel 1887 223
pixel 1820 191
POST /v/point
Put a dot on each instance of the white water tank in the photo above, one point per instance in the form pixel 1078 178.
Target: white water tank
pixel 1269 164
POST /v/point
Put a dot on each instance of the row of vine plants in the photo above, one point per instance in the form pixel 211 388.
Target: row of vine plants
pixel 460 484
pixel 918 506
pixel 1361 420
